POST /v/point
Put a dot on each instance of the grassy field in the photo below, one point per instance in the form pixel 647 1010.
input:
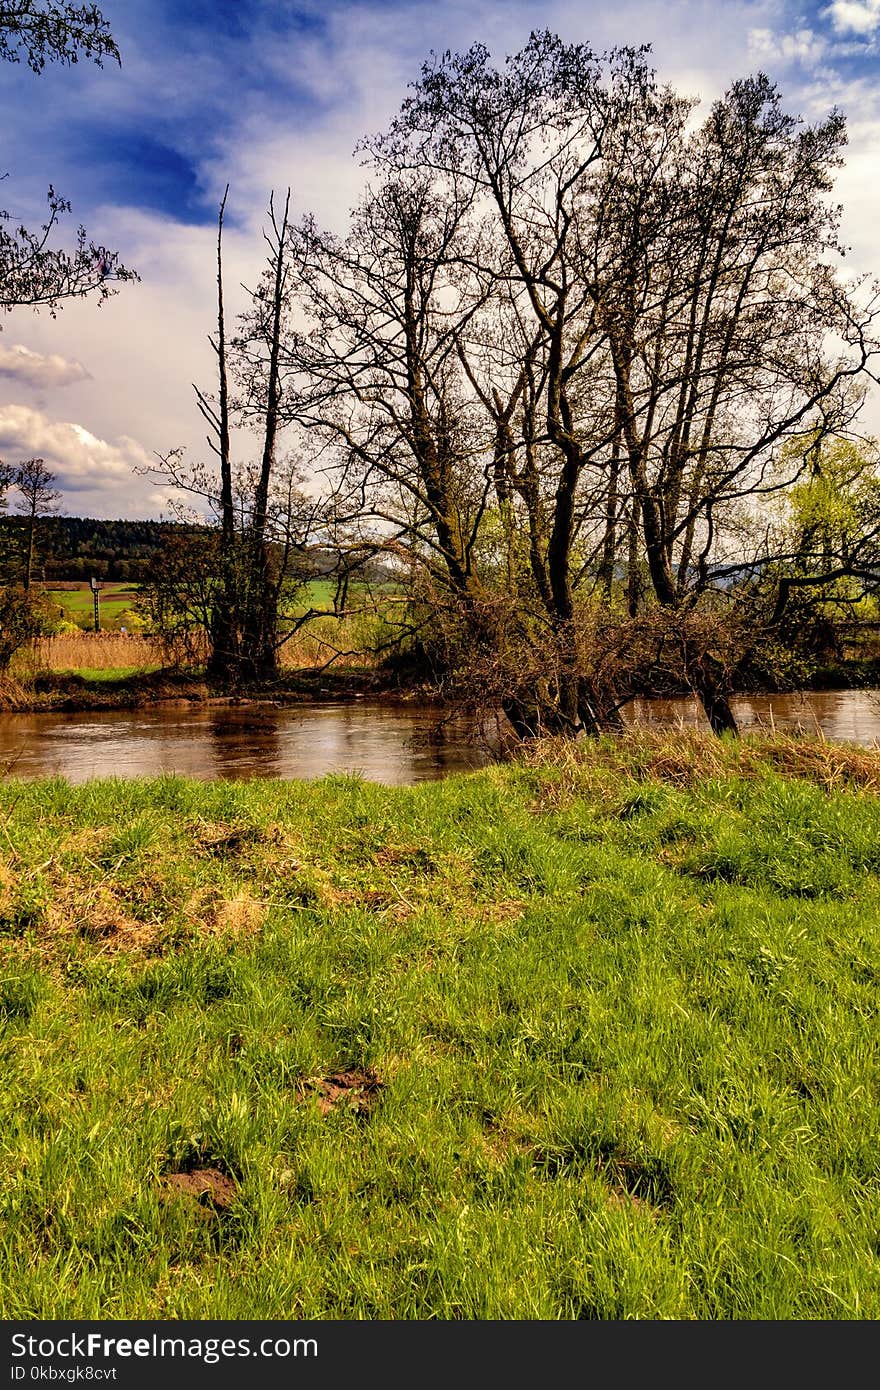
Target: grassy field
pixel 77 603
pixel 342 642
pixel 590 1037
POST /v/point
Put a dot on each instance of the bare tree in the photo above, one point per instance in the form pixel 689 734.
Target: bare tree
pixel 567 309
pixel 248 568
pixel 33 481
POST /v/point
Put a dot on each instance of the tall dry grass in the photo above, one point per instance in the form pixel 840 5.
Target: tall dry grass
pixel 327 641
pixel 94 651
pixel 322 644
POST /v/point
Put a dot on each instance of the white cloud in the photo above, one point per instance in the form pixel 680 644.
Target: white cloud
pixel 96 476
pixel 801 45
pixel 854 16
pixel 35 369
pixel 145 346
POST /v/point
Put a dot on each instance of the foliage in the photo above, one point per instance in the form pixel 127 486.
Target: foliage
pixel 77 548
pixel 565 348
pixel 33 273
pixel 24 615
pixel 52 32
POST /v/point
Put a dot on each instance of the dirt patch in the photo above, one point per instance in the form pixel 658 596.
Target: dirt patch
pixel 352 1090
pixel 208 1186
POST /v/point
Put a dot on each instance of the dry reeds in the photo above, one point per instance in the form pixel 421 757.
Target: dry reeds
pixel 685 757
pixel 97 651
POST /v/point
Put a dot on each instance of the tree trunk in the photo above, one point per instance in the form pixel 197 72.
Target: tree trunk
pixel 260 624
pixel 707 678
pixel 29 561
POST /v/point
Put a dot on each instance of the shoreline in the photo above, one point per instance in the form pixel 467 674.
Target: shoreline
pixel 70 693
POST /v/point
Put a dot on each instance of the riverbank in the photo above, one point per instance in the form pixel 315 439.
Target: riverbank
pixel 109 688
pixel 588 1036
pixel 74 692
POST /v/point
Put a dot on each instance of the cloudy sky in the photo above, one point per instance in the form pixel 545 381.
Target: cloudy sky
pixel 270 93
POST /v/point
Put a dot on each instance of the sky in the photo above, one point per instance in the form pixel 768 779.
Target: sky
pixel 266 94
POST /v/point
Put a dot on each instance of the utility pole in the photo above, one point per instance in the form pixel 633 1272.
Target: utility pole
pixel 94 587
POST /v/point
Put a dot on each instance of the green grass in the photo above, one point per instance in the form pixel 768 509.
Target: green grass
pixel 109 673
pixel 78 604
pixel 320 593
pixel 625 1027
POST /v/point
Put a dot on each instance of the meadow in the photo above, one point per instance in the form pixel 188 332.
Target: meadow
pixel 114 654
pixel 76 603
pixel 588 1035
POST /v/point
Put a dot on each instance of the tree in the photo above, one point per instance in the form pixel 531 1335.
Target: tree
pixel 33 481
pixel 55 33
pixel 826 543
pixel 569 314
pixel 32 272
pixel 7 475
pixel 247 572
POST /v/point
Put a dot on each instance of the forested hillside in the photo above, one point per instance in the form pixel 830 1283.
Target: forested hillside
pixel 72 547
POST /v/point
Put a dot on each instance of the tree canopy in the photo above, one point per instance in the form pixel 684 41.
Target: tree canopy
pixel 563 352
pixel 33 272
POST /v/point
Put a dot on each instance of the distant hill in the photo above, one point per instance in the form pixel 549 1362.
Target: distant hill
pixel 74 547
pixel 77 548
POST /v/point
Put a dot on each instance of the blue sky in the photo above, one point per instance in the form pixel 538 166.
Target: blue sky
pixel 264 94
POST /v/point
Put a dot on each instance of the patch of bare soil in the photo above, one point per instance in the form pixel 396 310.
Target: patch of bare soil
pixel 208 1186
pixel 355 1090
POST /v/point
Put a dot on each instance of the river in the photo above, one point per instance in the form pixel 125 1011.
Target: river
pixel 395 743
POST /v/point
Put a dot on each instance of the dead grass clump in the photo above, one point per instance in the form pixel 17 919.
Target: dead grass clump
pixel 222 838
pixel 831 765
pixel 209 913
pixel 241 915
pixel 688 757
pixel 7 884
pixel 94 912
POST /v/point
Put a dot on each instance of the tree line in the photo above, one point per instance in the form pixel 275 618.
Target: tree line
pixel 73 548
pixel 583 370
pixel 584 367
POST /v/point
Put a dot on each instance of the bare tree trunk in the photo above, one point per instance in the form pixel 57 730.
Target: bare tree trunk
pixel 29 554
pixel 224 657
pixel 633 577
pixel 260 627
pixel 707 678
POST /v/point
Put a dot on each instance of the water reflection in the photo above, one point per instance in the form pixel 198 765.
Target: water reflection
pixel 394 743
pixel 846 716
pixel 253 738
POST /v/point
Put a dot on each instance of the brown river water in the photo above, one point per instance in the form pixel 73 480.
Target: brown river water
pixel 397 744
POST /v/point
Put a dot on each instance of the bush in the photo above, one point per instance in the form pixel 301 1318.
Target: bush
pixel 24 615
